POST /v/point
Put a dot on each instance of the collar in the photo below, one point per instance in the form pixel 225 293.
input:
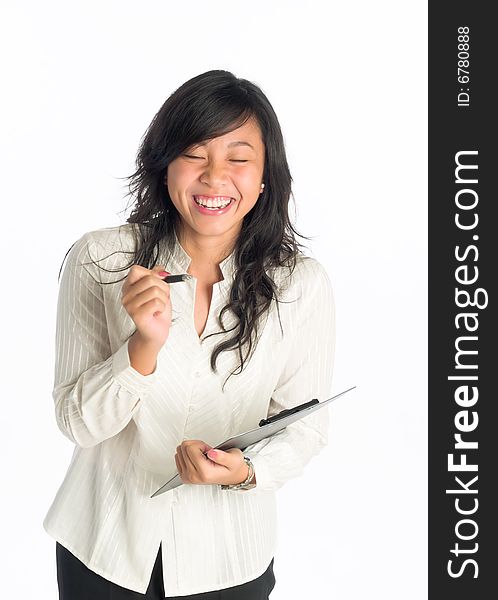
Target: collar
pixel 182 260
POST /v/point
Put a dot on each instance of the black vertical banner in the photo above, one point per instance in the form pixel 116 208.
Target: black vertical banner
pixel 463 268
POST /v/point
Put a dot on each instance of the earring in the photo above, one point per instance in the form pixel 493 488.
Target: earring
pixel 262 186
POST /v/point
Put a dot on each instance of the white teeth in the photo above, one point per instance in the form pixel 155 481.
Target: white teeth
pixel 213 204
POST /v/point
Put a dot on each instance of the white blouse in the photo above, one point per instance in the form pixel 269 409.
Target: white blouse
pixel 126 426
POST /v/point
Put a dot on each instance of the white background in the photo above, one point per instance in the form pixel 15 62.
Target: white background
pixel 81 82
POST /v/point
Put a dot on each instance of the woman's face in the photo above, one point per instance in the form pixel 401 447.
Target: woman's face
pixel 226 169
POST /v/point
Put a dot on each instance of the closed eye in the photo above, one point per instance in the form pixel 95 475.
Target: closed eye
pixel 200 158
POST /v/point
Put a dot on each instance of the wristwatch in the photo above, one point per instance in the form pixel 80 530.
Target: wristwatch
pixel 245 485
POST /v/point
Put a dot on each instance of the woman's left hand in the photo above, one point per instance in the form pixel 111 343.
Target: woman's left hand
pixel 219 466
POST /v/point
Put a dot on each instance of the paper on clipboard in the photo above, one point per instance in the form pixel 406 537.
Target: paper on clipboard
pixel 248 438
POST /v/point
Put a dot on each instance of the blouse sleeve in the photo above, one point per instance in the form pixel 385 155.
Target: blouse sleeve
pixel 96 392
pixel 307 374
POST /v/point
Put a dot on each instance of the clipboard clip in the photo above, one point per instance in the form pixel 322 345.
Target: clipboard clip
pixel 288 411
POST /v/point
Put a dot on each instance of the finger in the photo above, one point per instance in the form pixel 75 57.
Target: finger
pixel 154 307
pixel 190 464
pixel 197 451
pixel 180 463
pixel 188 470
pixel 238 452
pixel 199 443
pixel 182 470
pixel 197 457
pixel 144 283
pixel 149 295
pixel 159 269
pixel 179 467
pixel 137 273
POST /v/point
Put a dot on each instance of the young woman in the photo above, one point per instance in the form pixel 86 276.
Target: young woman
pixel 150 376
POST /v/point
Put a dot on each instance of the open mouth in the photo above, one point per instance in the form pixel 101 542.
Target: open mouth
pixel 213 204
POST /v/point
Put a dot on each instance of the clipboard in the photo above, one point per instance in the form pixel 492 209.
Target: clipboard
pixel 266 428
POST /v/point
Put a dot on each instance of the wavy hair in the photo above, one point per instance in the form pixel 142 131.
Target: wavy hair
pixel 207 106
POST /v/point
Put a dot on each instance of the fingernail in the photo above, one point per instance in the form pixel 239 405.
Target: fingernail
pixel 163 273
pixel 212 453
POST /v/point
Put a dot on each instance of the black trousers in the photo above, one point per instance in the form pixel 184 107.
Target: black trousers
pixel 77 582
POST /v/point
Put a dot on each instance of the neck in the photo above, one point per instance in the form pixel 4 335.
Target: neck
pixel 206 252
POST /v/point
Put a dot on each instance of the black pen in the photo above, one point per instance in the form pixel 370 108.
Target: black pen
pixel 176 278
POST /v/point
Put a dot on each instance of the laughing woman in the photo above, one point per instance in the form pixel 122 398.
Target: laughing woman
pixel 150 376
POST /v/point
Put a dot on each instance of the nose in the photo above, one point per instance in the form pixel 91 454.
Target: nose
pixel 215 174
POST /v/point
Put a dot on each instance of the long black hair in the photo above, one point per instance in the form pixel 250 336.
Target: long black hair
pixel 207 106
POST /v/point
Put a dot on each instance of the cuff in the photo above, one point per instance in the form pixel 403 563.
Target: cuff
pixel 127 376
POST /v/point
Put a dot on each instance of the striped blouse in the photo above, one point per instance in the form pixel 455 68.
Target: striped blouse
pixel 126 426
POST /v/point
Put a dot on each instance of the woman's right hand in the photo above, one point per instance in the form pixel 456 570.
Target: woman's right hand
pixel 145 298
